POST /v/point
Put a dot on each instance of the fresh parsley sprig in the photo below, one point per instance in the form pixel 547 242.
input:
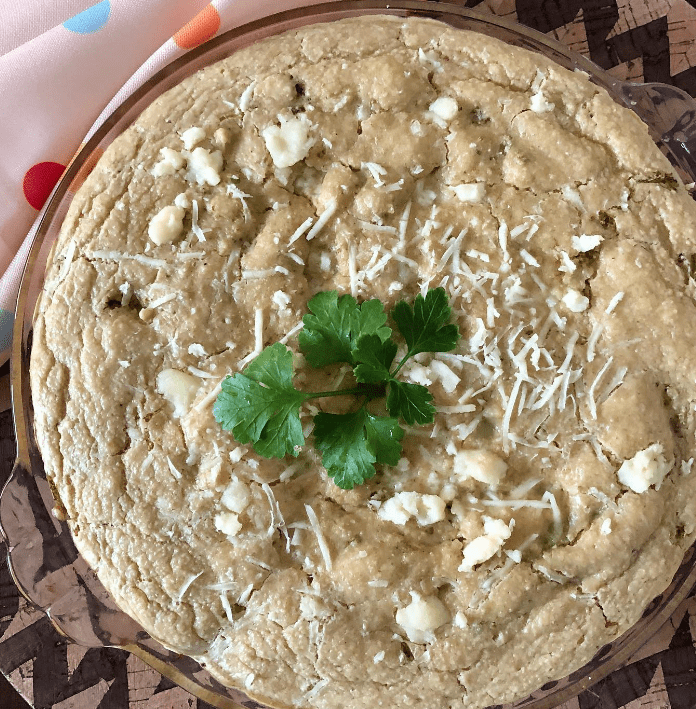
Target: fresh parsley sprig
pixel 261 405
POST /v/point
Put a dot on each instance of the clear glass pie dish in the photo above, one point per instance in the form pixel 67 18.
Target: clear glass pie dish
pixel 43 560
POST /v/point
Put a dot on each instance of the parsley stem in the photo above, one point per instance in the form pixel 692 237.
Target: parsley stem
pixel 337 392
pixel 370 390
pixel 407 356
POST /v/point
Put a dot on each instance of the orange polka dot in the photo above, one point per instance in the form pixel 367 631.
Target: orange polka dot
pixel 201 28
pixel 84 170
pixel 39 180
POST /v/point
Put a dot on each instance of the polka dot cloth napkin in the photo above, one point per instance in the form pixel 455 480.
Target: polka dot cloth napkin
pixel 64 67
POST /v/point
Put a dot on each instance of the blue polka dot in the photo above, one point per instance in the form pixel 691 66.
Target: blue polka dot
pixel 91 19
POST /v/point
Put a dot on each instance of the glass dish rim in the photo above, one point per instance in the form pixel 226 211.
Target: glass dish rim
pixel 619 90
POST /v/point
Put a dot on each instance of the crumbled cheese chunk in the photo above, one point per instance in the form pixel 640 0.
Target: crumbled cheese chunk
pixel 178 388
pixel 197 350
pixel 237 454
pixel 289 142
pixel 447 377
pixel 221 137
pixel 647 467
pixel 171 162
pixel 281 299
pixel 204 166
pixel 444 107
pixel 236 496
pixel 567 265
pixel 481 465
pixel 418 374
pixel 228 523
pixel 420 617
pixel 605 529
pixel 586 242
pixel 482 548
pixel 470 192
pixel 181 200
pixel 460 620
pixel 426 509
pixel 574 300
pixel 166 225
pixel 192 136
pixel 429 58
pixel 539 104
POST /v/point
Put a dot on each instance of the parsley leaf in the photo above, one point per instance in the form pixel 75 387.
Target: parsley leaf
pixel 261 406
pixel 342 440
pixel 423 325
pixel 352 443
pixel 411 402
pixel 334 324
pixel 374 359
pixel 384 435
pixel 370 321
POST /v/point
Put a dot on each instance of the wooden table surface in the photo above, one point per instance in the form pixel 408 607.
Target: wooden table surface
pixel 651 40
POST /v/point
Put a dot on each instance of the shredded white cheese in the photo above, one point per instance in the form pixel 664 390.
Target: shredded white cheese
pixel 226 607
pixel 186 585
pixel 377 172
pixel 68 256
pixel 352 269
pixel 300 231
pixel 245 98
pixel 276 512
pixel 236 193
pixel 323 219
pixel 173 470
pixel 209 397
pixel 614 302
pixel 323 546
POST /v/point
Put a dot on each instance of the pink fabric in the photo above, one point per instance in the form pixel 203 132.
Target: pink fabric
pixel 64 67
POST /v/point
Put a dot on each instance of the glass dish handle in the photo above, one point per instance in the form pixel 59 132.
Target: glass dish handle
pixel 671 115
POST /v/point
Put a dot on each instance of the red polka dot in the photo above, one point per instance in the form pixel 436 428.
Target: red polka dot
pixel 39 180
pixel 201 28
